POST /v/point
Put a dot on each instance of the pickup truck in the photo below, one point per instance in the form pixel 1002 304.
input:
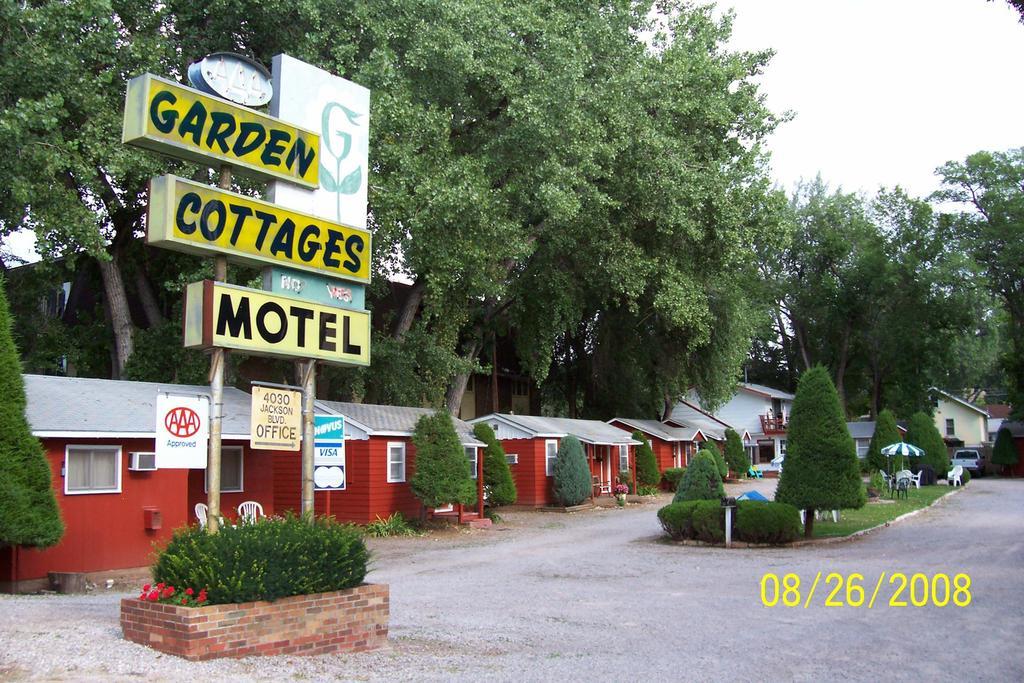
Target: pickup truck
pixel 969 459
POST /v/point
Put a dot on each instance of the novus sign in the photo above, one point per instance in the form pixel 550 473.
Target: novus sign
pixel 194 218
pixel 173 119
pixel 221 315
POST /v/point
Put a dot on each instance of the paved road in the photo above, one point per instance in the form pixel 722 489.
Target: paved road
pixel 595 596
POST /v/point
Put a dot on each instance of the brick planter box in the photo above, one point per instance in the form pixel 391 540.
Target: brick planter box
pixel 351 620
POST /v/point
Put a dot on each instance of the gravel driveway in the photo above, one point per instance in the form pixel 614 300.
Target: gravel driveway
pixel 595 595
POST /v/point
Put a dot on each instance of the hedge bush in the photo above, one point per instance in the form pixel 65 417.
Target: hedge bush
pixel 702 520
pixel 270 559
pixel 573 483
pixel 672 476
pixel 759 521
pixel 723 467
pixel 701 480
pixel 646 464
pixel 965 477
pixel 922 432
pixel 735 455
pixel 442 470
pixel 499 487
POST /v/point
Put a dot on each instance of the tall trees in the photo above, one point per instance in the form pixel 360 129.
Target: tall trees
pixel 991 186
pixel 28 509
pixel 922 432
pixel 499 487
pixel 821 471
pixel 735 455
pixel 442 471
pixel 886 433
pixel 647 473
pixel 572 483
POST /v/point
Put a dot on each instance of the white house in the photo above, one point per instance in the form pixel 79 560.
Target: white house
pixel 763 413
pixel 862 431
pixel 962 424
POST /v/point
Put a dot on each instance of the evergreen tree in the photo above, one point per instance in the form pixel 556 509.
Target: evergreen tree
pixel 702 480
pixel 715 452
pixel 1004 453
pixel 821 470
pixel 735 454
pixel 647 473
pixel 498 483
pixel 886 433
pixel 29 515
pixel 573 484
pixel 442 470
pixel 922 432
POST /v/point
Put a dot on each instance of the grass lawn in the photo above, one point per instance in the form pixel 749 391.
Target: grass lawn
pixel 874 514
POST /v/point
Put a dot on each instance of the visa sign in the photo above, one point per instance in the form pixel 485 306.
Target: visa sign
pixel 329 452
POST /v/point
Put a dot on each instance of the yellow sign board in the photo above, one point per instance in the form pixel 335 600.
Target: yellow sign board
pixel 275 419
pixel 199 219
pixel 167 117
pixel 264 324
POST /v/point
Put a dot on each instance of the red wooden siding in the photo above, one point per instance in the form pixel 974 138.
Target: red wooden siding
pixel 257 484
pixel 532 484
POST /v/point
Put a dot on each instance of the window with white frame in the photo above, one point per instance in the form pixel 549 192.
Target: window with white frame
pixel 471 456
pixel 231 470
pixel 550 456
pixel 950 427
pixel 396 461
pixel 512 458
pixel 862 447
pixel 782 447
pixel 92 469
pixel 623 458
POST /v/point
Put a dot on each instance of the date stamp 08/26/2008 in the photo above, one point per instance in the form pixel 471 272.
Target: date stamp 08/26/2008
pixel 897 589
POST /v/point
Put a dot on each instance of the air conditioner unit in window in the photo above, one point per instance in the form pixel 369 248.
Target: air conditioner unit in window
pixel 142 462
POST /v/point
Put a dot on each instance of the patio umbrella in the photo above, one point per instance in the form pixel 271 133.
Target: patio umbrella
pixel 750 495
pixel 902 449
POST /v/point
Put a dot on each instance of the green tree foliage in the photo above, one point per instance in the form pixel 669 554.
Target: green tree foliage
pixel 886 432
pixel 922 432
pixel 735 454
pixel 991 186
pixel 498 484
pixel 715 452
pixel 1004 452
pixel 821 471
pixel 701 481
pixel 442 473
pixel 573 483
pixel 647 473
pixel 28 508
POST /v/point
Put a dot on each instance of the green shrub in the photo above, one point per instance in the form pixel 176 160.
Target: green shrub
pixel 965 477
pixel 573 483
pixel 499 487
pixel 270 559
pixel 29 515
pixel 723 468
pixel 647 490
pixel 922 432
pixel 677 519
pixel 672 476
pixel 646 464
pixel 442 472
pixel 701 480
pixel 759 521
pixel 395 525
pixel 877 483
pixel 735 455
pixel 626 477
pixel 886 434
pixel 709 521
pixel 1004 453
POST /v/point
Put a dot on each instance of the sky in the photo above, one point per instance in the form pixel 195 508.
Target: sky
pixel 885 91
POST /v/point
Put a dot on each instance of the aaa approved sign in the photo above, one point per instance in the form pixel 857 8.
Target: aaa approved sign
pixel 182 430
pixel 276 416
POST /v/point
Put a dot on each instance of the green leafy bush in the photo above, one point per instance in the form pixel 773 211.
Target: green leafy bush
pixel 499 487
pixel 647 490
pixel 922 432
pixel 703 520
pixel 1004 453
pixel 442 472
pixel 886 433
pixel 626 477
pixel 646 464
pixel 395 525
pixel 270 559
pixel 701 481
pixel 735 455
pixel 723 468
pixel 876 483
pixel 965 477
pixel 759 521
pixel 672 476
pixel 573 484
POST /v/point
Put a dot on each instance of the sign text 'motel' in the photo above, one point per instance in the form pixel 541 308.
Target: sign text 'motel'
pixel 199 219
pixel 222 315
pixel 174 119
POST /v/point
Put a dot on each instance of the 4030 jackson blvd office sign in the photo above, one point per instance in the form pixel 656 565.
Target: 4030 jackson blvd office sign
pixel 199 219
pixel 167 117
pixel 226 316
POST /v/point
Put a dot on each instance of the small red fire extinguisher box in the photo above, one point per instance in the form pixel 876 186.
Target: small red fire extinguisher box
pixel 153 518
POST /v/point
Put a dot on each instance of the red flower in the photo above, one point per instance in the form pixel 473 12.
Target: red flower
pixel 154 596
pixel 160 586
pixel 184 601
pixel 188 591
pixel 145 589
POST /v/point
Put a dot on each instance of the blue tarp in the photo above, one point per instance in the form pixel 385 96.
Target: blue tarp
pixel 750 495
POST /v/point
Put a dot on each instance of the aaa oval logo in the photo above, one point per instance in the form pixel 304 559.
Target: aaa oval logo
pixel 182 422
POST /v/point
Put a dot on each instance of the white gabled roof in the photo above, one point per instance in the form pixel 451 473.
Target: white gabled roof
pixel 766 391
pixel 659 429
pixel 378 420
pixel 962 402
pixel 593 432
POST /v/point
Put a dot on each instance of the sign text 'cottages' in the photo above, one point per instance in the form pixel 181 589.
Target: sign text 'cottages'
pixel 231 317
pixel 276 417
pixel 196 218
pixel 166 117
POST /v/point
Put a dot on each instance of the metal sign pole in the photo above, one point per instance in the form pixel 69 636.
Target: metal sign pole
pixel 217 359
pixel 308 397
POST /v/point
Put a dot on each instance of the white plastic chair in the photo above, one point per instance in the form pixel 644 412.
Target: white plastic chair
pixel 250 511
pixel 201 512
pixel 954 476
pixel 915 479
